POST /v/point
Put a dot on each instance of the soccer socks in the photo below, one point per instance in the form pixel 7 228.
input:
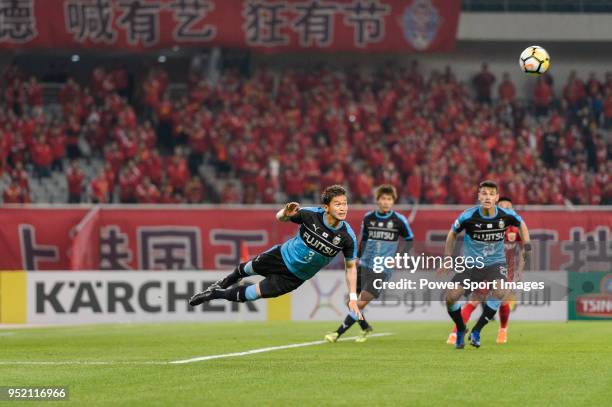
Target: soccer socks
pixel 350 319
pixel 488 312
pixel 364 324
pixel 454 310
pixel 504 315
pixel 243 270
pixel 466 313
pixel 237 294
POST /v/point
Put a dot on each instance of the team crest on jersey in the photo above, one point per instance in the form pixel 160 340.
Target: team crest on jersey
pixel 336 241
pixel 489 226
pixel 390 224
pixel 325 235
pixel 501 224
pixel 420 23
pixel 380 224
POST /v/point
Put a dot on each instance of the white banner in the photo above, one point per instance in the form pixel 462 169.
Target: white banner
pixel 100 297
pixel 96 297
pixel 324 298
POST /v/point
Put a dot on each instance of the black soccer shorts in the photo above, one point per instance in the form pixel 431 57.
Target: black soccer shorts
pixel 491 272
pixel 366 278
pixel 278 279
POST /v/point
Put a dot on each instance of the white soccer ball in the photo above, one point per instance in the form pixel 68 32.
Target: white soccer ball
pixel 534 60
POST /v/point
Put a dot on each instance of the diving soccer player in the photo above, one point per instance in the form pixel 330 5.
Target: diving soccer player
pixel 322 234
pixel 485 226
pixel 381 231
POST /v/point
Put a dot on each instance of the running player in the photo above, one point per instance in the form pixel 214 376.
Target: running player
pixel 322 234
pixel 485 226
pixel 381 231
pixel 512 243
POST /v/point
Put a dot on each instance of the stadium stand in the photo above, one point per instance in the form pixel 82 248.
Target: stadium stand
pixel 283 134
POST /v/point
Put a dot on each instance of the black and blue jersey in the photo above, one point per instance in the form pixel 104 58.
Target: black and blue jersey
pixel 316 243
pixel 484 235
pixel 380 235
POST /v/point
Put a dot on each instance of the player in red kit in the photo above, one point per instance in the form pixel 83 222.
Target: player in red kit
pixel 512 243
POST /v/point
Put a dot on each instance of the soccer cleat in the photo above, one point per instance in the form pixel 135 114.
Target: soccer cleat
pixel 201 297
pixel 452 338
pixel 332 337
pixel 197 298
pixel 502 336
pixel 214 286
pixel 475 339
pixel 363 336
pixel 460 340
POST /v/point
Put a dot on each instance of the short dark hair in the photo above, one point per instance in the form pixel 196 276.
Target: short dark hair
pixel 504 198
pixel 331 192
pixel 488 184
pixel 386 189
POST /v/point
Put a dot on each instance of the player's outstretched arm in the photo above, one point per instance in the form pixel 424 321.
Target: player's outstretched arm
pixel 449 246
pixel 526 247
pixel 351 282
pixel 288 211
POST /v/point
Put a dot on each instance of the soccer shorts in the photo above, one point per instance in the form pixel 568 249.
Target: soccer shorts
pixel 491 272
pixel 366 278
pixel 278 279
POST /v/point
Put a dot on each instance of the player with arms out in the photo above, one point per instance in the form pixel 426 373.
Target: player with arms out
pixel 322 234
pixel 485 226
pixel 513 249
pixel 381 231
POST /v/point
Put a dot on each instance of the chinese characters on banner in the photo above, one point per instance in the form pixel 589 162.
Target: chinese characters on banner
pixel 187 239
pixel 265 25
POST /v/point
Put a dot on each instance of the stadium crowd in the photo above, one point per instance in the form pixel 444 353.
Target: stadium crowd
pixel 286 134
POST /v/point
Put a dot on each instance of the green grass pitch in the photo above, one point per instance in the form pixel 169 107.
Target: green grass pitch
pixel 543 364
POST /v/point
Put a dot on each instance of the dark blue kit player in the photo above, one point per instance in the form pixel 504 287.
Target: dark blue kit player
pixel 382 231
pixel 485 230
pixel 323 234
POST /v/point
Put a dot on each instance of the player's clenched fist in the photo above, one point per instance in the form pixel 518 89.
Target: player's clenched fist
pixel 291 209
pixel 287 211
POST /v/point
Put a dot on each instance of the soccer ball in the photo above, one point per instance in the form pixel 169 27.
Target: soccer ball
pixel 534 60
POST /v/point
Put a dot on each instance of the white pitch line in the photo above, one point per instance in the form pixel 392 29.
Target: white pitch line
pixel 261 350
pixel 180 362
pixel 78 362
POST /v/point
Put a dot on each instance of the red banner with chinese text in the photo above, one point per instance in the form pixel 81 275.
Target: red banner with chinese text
pixel 265 25
pixel 154 238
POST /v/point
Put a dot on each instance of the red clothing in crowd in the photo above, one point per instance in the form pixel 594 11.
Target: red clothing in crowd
pixel 74 178
pixel 507 91
pixel 147 194
pixel 57 140
pixel 99 189
pixel 42 155
pixel 294 183
pixel 128 180
pixel 542 94
pixel 194 192
pixel 21 177
pixel 14 194
pixel 178 174
pixel 34 94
